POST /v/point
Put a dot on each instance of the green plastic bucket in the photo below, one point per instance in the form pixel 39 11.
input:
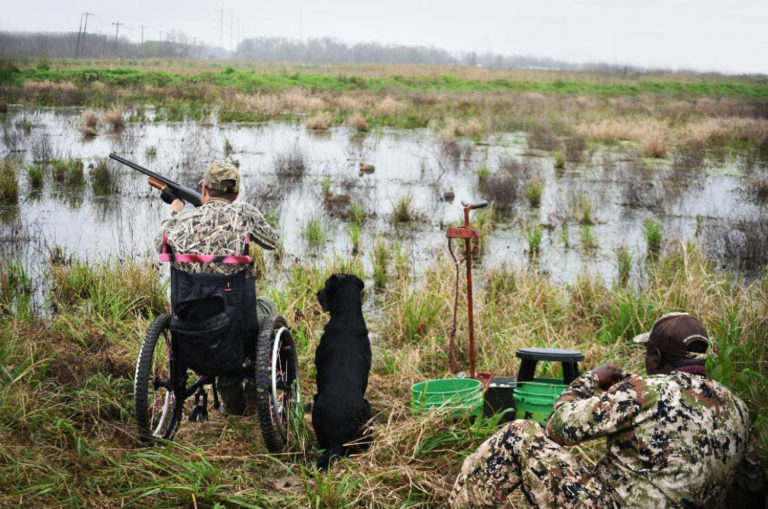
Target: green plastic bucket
pixel 534 400
pixel 461 396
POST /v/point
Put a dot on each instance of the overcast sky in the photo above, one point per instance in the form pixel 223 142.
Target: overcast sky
pixel 727 36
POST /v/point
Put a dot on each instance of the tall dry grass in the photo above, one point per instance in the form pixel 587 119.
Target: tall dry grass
pixel 67 434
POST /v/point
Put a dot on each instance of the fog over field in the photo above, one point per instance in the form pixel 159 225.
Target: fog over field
pixel 677 35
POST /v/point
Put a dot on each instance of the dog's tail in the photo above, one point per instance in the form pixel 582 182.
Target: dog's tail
pixel 328 455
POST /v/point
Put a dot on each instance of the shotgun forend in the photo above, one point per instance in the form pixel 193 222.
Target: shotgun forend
pixel 158 181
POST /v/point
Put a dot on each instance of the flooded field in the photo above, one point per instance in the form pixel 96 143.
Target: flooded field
pixel 562 217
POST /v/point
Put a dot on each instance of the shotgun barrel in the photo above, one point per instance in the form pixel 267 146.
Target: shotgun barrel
pixel 158 181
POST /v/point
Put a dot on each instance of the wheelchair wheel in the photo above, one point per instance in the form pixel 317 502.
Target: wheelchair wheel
pixel 158 410
pixel 277 381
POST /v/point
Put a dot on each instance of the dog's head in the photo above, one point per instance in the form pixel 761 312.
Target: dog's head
pixel 336 285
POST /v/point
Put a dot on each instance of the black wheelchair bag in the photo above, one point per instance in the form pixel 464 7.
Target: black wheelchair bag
pixel 211 316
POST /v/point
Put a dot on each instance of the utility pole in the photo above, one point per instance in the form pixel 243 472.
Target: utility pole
pixel 79 31
pixel 231 29
pixel 85 29
pixel 142 34
pixel 117 30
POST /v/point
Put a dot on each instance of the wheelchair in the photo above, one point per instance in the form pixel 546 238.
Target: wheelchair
pixel 202 338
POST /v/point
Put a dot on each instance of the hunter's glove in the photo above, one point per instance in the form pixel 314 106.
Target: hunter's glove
pixel 168 196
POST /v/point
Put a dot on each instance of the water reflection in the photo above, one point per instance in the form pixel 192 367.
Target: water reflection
pixel 585 212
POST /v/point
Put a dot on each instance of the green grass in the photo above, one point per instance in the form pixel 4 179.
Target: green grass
pixel 9 183
pixel 353 229
pixel 559 161
pixel 15 290
pixel 652 238
pixel 533 191
pixel 103 180
pixel 315 232
pixel 624 263
pixel 36 176
pixel 68 171
pixel 382 257
pixel 588 241
pixel 537 102
pixel 248 81
pixel 356 214
pixel 584 211
pixel 482 178
pixel 533 237
pixel 67 432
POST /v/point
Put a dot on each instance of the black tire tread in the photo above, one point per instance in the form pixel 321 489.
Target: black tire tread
pixel 273 439
pixel 141 381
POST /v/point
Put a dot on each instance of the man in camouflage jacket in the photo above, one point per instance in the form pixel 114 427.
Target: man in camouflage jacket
pixel 219 227
pixel 674 438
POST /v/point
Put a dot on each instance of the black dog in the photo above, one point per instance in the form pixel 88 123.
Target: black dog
pixel 343 360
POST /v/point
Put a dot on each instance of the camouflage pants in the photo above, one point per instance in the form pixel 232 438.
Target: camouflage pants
pixel 520 454
pixel 230 388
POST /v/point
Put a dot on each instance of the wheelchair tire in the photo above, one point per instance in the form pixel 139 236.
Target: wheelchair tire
pixel 158 410
pixel 277 381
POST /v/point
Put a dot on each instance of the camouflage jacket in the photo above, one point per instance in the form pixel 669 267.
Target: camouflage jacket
pixel 216 228
pixel 672 440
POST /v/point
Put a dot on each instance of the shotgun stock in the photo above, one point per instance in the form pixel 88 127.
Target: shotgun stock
pixel 159 182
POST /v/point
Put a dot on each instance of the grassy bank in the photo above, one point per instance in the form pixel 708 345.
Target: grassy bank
pixel 661 112
pixel 67 435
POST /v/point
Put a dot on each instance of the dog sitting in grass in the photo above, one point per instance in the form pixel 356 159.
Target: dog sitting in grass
pixel 343 359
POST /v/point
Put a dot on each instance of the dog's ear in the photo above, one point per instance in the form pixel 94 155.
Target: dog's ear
pixel 322 298
pixel 359 282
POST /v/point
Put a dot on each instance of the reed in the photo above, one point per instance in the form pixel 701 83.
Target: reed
pixel 533 191
pixel 36 176
pixel 320 121
pixel 382 256
pixel 9 183
pixel 588 241
pixel 652 238
pixel 315 233
pixel 624 263
pixel 66 383
pixel 403 212
pixel 114 119
pixel 291 165
pixel 533 236
pixel 103 179
pixel 353 230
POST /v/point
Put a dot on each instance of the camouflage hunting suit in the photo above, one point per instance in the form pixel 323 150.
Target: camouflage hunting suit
pixel 216 228
pixel 673 440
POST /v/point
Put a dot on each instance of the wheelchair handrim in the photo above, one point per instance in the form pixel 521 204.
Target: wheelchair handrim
pixel 279 408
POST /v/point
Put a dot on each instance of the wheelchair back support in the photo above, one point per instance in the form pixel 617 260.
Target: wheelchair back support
pixel 213 315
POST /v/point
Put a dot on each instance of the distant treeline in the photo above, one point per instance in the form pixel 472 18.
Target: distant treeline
pixel 327 50
pixel 67 45
pixel 322 50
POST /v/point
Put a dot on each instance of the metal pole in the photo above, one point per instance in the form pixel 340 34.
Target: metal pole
pixel 468 256
pixel 79 31
pixel 117 30
pixel 85 29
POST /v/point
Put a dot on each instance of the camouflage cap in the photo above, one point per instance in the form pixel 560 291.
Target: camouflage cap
pixel 679 334
pixel 222 176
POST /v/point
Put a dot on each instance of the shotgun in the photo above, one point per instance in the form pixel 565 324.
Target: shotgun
pixel 159 182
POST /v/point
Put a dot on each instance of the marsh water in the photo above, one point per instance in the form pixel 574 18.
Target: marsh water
pixel 710 202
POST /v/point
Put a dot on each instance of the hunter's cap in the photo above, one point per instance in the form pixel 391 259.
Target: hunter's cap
pixel 222 176
pixel 678 334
